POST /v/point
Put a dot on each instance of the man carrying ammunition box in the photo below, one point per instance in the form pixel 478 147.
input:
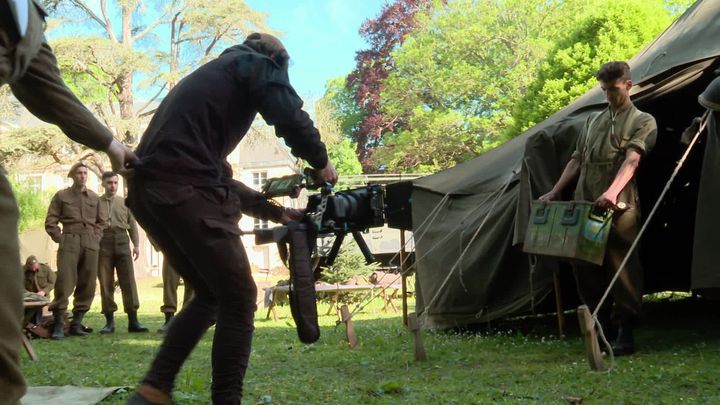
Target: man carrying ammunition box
pixel 608 152
pixel 184 196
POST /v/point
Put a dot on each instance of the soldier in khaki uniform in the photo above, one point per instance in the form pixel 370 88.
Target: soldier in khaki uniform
pixel 83 219
pixel 171 282
pixel 28 65
pixel 39 277
pixel 115 254
pixel 607 154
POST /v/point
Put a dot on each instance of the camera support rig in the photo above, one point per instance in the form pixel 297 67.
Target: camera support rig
pixel 328 213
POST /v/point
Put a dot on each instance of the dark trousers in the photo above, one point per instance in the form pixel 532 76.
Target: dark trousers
pixel 197 230
pixel 12 384
pixel 624 303
pixel 115 256
pixel 171 282
pixel 77 261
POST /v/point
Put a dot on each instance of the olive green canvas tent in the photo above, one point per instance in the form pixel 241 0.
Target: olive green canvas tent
pixel 481 207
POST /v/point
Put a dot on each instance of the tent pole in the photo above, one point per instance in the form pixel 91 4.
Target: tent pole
pixel 403 277
pixel 559 305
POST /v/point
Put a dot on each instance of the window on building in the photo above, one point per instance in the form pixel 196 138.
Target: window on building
pixel 260 223
pixel 259 179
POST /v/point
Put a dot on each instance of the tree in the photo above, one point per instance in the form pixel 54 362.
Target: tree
pixel 124 42
pixel 616 31
pixel 384 34
pixel 339 98
pixel 341 149
pixel 458 76
pixel 462 78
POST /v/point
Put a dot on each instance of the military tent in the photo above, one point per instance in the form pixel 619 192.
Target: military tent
pixel 481 207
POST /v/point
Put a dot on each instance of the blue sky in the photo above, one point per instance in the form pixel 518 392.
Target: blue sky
pixel 321 37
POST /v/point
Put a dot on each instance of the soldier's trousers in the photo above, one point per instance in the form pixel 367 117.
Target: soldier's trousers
pixel 625 299
pixel 197 230
pixel 12 384
pixel 171 282
pixel 115 255
pixel 77 261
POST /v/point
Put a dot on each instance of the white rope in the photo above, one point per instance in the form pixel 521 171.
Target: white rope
pixel 679 166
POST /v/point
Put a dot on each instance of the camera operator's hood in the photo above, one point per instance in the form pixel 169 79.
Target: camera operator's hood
pixel 266 45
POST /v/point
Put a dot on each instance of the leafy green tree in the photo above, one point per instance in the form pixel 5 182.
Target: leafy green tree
pixel 339 98
pixel 459 74
pixel 615 31
pixel 343 154
pixel 342 151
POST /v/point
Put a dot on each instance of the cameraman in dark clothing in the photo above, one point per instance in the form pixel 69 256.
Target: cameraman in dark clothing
pixel 183 194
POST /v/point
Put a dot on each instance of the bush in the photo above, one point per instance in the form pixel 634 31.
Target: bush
pixel 32 204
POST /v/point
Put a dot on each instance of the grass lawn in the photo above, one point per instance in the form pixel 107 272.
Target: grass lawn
pixel 512 362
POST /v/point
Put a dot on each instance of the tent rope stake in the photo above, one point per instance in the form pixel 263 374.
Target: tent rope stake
pixel 678 167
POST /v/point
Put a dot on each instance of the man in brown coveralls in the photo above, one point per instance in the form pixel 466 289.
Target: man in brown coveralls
pixel 608 152
pixel 115 254
pixel 28 65
pixel 184 196
pixel 83 219
pixel 171 282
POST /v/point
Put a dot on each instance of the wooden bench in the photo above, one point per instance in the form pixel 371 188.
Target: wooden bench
pixel 272 294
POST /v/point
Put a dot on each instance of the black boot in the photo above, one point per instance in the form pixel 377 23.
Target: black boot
pixel 134 325
pixel 58 329
pixel 625 344
pixel 76 327
pixel 168 317
pixel 109 323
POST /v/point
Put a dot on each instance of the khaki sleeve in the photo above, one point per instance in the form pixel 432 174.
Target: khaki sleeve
pixel 100 219
pixel 644 134
pixel 52 219
pixel 42 91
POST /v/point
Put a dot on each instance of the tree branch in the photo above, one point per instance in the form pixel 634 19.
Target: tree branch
pixel 84 7
pixel 108 23
pixel 147 104
pixel 149 29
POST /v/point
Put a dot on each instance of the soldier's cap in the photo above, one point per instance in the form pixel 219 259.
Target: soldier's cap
pixel 74 167
pixel 268 45
pixel 31 260
pixel 710 98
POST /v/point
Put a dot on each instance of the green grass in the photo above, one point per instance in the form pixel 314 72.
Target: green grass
pixel 513 362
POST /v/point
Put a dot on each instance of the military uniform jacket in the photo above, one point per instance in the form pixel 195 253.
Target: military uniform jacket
pixel 79 212
pixel 602 146
pixel 43 279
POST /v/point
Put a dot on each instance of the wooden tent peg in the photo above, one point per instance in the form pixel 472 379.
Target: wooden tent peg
pixel 414 327
pixel 349 328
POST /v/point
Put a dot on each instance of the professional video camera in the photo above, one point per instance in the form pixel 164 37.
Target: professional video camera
pixel 328 213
